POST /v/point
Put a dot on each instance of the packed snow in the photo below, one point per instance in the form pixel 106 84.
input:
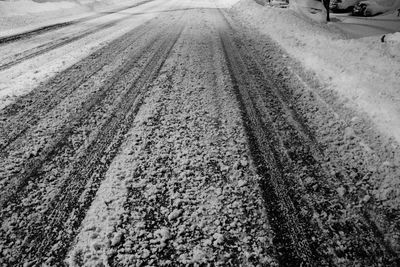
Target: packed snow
pixel 183 176
pixel 25 15
pixel 357 57
pixel 15 82
pixel 24 7
pixel 185 156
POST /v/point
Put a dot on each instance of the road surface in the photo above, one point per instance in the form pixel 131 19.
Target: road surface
pixel 183 137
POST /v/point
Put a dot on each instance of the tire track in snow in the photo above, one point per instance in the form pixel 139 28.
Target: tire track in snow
pixel 295 187
pixel 191 197
pixel 29 34
pixel 44 48
pixel 16 173
pixel 290 238
pixel 62 216
pixel 20 116
pixel 31 166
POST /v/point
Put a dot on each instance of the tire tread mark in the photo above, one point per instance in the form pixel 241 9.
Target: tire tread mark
pixel 92 164
pixel 44 29
pixel 284 99
pixel 290 238
pixel 32 166
pixel 29 109
pixel 42 49
pixel 286 130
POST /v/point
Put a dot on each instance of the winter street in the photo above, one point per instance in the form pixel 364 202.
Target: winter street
pixel 176 132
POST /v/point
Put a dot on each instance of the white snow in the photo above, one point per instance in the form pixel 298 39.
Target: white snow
pixel 393 39
pixel 204 200
pixel 354 26
pixel 367 26
pixel 106 209
pixel 311 9
pixel 22 7
pixel 364 71
pixel 25 15
pixel 381 6
pixel 24 77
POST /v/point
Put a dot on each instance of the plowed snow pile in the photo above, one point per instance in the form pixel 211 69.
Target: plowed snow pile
pixel 365 72
pixel 24 7
pixel 382 6
pixel 26 14
pixel 383 17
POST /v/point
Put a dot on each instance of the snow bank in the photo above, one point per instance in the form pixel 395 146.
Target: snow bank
pixel 393 38
pixel 307 4
pixel 356 26
pixel 25 15
pixel 311 9
pixel 363 71
pixel 388 4
pixel 380 6
pixel 23 7
pixel 26 7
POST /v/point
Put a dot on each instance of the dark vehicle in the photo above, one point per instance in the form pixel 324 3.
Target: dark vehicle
pixel 342 6
pixel 362 9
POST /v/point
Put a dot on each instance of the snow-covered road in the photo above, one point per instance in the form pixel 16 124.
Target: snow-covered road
pixel 170 133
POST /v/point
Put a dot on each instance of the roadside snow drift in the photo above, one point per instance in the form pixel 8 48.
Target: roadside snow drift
pixel 364 71
pixel 23 15
pixel 23 7
pixel 375 7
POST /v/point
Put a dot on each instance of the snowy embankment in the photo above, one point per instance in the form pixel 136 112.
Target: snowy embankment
pixel 24 15
pixel 364 72
pixel 381 6
pixel 354 26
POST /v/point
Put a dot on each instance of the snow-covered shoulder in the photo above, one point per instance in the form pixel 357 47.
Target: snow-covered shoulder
pixel 26 15
pixel 363 71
